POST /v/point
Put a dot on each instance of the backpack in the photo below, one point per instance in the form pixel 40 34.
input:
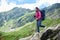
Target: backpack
pixel 43 14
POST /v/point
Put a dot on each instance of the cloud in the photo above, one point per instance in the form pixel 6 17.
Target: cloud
pixel 53 1
pixel 4 6
pixel 40 3
pixel 28 6
pixel 50 2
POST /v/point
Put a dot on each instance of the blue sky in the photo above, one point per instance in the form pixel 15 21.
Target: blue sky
pixel 18 2
pixel 6 5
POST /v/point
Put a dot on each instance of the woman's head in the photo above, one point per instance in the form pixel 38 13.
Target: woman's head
pixel 37 8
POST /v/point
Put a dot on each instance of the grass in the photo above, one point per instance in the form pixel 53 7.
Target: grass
pixel 50 22
pixel 7 26
pixel 27 29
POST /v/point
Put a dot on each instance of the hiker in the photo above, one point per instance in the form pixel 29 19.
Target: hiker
pixel 39 16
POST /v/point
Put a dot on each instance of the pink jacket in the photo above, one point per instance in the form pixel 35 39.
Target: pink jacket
pixel 38 15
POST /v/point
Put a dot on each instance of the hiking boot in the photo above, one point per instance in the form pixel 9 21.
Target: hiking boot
pixel 42 26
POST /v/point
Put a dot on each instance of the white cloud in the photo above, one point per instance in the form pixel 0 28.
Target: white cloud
pixel 28 6
pixel 49 2
pixel 5 7
pixel 39 3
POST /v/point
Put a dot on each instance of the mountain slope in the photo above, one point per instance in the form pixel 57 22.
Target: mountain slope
pixel 15 13
pixel 53 11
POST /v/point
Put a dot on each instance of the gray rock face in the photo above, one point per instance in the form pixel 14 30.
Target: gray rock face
pixel 51 34
pixel 58 37
pixel 36 36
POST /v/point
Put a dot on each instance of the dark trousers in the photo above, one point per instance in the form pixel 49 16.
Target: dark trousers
pixel 38 25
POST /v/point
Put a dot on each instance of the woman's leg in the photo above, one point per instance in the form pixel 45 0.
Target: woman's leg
pixel 41 24
pixel 38 25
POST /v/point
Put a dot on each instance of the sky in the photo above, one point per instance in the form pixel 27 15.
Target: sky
pixel 6 5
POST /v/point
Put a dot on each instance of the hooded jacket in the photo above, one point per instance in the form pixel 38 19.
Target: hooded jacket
pixel 38 15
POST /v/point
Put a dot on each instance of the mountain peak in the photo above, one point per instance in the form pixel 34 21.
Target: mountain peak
pixel 15 8
pixel 56 4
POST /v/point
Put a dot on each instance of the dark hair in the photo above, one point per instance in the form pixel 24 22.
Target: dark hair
pixel 37 8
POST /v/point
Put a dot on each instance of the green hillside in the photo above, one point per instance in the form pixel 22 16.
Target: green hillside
pixel 15 23
pixel 13 14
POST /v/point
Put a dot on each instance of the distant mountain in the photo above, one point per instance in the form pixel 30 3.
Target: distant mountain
pixel 53 11
pixel 52 7
pixel 15 13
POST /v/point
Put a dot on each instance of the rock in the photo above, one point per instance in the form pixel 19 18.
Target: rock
pixel 36 36
pixel 46 34
pixel 51 34
pixel 58 37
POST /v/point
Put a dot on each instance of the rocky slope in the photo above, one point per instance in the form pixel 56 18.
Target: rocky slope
pixel 50 33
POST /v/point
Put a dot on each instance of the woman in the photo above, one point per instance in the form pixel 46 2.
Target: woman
pixel 38 17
